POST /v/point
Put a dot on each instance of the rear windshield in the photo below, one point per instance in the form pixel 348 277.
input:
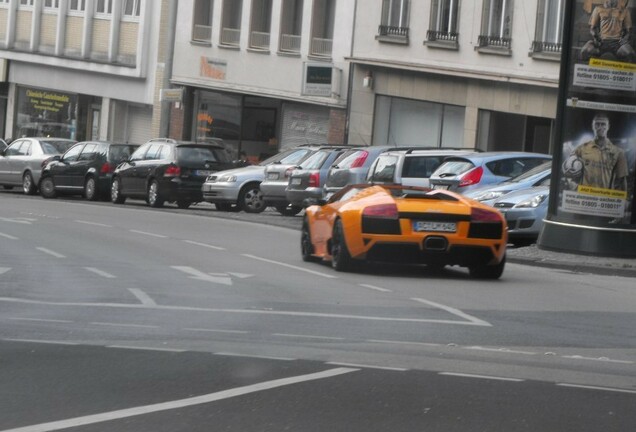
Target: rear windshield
pixel 348 158
pixel 201 154
pixel 534 171
pixel 295 157
pixel 512 167
pixel 120 153
pixel 56 147
pixel 314 161
pixel 421 166
pixel 454 167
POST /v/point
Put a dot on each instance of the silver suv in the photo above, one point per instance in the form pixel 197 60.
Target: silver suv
pixel 411 166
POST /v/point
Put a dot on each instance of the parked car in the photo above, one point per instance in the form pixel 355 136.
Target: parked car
pixel 524 211
pixel 537 176
pixel 165 170
pixel 352 167
pixel 277 178
pixel 468 172
pixel 239 189
pixel 405 224
pixel 409 166
pixel 308 180
pixel 21 162
pixel 84 169
pixel 3 144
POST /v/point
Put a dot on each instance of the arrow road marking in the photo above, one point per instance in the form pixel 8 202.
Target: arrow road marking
pixel 3 270
pixel 219 278
pixel 471 319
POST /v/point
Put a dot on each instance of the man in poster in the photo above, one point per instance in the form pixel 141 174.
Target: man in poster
pixel 611 27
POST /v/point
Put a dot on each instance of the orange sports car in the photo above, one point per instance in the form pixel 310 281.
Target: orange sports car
pixel 405 224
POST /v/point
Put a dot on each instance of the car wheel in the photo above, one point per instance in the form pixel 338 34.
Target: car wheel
pixel 250 199
pixel 154 196
pixel 27 183
pixel 47 187
pixel 340 258
pixel 115 192
pixel 288 209
pixel 90 189
pixel 488 271
pixel 306 246
pixel 182 204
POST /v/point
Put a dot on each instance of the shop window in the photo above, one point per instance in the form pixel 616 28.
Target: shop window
pixel 496 27
pixel 443 27
pixel 202 21
pixel 291 26
pixel 549 29
pixel 231 23
pixel 394 26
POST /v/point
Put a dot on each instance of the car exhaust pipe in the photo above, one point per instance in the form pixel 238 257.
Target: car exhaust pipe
pixel 435 243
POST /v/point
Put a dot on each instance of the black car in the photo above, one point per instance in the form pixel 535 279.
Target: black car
pixel 164 170
pixel 84 169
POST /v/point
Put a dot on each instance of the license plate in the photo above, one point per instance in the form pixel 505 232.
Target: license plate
pixel 295 181
pixel 202 173
pixel 443 187
pixel 434 226
pixel 272 176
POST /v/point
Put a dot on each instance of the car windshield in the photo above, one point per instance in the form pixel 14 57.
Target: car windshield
pixel 120 152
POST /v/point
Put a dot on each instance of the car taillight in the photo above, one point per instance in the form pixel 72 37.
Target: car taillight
pixel 481 215
pixel 360 159
pixel 314 180
pixel 471 177
pixel 172 171
pixel 385 211
pixel 289 171
pixel 107 168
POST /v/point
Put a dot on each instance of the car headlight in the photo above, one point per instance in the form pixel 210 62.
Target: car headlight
pixel 532 202
pixel 490 195
pixel 227 179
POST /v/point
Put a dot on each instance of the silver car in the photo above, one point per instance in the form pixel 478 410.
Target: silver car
pixel 21 162
pixel 352 167
pixel 239 189
pixel 524 211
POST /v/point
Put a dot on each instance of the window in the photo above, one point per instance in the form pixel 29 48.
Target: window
pixel 132 8
pixel 202 21
pixel 26 2
pixel 291 26
pixel 103 7
pixel 549 27
pixel 77 5
pixel 443 24
pixel 231 23
pixel 496 25
pixel 395 20
pixel 73 153
pixel 322 28
pixel 261 22
pixel 51 4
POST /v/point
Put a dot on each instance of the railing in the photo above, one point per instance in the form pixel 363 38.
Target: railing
pixel 434 35
pixel 548 47
pixel 385 30
pixel 321 47
pixel 202 33
pixel 230 36
pixel 290 43
pixel 259 40
pixel 494 41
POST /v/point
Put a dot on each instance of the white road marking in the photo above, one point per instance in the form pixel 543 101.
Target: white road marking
pixel 50 252
pixel 16 220
pixel 471 319
pixel 307 336
pixel 94 223
pixel 376 288
pixel 241 275
pixel 100 272
pixel 204 245
pixel 367 366
pixel 40 341
pixel 488 377
pixel 600 359
pixel 216 330
pixel 404 343
pixel 500 350
pixel 3 270
pixel 148 234
pixel 125 325
pixel 143 297
pixel 195 274
pixel 10 237
pixel 291 266
pixel 182 403
pixel 146 348
pixel 41 320
pixel 617 390
pixel 230 354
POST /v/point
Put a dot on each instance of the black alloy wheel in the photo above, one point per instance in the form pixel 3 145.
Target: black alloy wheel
pixel 340 258
pixel 115 192
pixel 47 187
pixel 250 199
pixel 306 246
pixel 154 196
pixel 90 189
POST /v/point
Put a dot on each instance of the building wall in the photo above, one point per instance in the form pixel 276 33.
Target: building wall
pixel 23 27
pixel 73 38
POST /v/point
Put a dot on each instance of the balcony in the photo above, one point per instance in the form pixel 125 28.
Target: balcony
pixel 442 39
pixel 230 37
pixel 494 45
pixel 321 47
pixel 259 40
pixel 546 50
pixel 290 43
pixel 202 33
pixel 393 34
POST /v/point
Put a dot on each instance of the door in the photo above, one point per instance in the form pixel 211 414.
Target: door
pixel 127 171
pixel 62 171
pixel 6 165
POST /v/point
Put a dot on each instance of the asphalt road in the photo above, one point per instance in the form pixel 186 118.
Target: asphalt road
pixel 128 318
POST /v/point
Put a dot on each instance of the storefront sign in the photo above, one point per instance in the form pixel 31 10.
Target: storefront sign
pixel 171 95
pixel 318 80
pixel 213 68
pixel 45 113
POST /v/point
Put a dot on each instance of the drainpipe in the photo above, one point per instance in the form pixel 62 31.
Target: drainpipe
pixel 351 73
pixel 164 125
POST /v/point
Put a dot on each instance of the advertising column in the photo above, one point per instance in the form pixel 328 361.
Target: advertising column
pixel 592 193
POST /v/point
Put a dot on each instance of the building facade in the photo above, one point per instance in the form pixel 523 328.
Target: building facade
pixel 262 75
pixel 450 73
pixel 83 69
